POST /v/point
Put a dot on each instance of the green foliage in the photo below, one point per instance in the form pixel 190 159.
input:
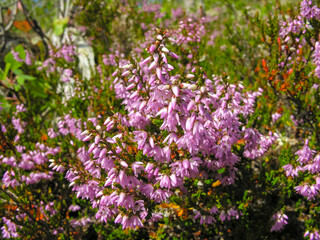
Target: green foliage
pixel 59 25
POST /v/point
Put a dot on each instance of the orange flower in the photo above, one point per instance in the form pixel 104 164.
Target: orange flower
pixel 265 67
pixel 44 137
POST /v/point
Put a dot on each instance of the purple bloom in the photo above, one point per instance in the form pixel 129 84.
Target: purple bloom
pixel 18 125
pixel 275 117
pixel 28 59
pixel 316 59
pixel 9 180
pixel 280 221
pixel 16 56
pixel 21 108
pixel 308 11
pixel 9 229
pixel 305 154
pixel 196 124
pixel 3 128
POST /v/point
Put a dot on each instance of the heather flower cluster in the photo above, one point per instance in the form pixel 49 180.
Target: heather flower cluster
pixel 295 32
pixel 28 58
pixel 195 123
pixel 280 220
pixel 66 52
pixel 307 162
pixel 9 229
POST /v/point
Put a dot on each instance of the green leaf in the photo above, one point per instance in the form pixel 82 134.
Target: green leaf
pixel 20 80
pixel 9 59
pixel 28 77
pixel 59 25
pixel 22 77
pixel 208 181
pixel 275 180
pixel 36 89
pixel 17 72
pixel 17 87
pixel 245 195
pixel 20 50
pixel 6 71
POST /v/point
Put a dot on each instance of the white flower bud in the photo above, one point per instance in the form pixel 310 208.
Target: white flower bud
pixel 87 138
pixel 51 165
pixel 164 49
pixel 86 132
pixel 97 139
pixel 126 73
pixel 192 87
pixel 203 89
pixel 189 76
pixel 185 85
pixel 159 37
pixel 128 66
pixel 71 184
pixel 152 65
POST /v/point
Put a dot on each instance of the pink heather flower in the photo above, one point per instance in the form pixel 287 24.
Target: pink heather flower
pixel 3 128
pixel 67 73
pixel 315 86
pixel 308 11
pixel 74 208
pixel 205 219
pixel 9 229
pixel 16 56
pixel 82 222
pixel 28 59
pixel 160 195
pixel 164 181
pixel 223 216
pixel 290 171
pixel 316 58
pixel 9 180
pixel 50 208
pixel 18 125
pixel 11 161
pixel 35 177
pixel 305 154
pixel 280 221
pixel 51 133
pixel 147 190
pixel 21 108
pixel 275 117
pixel 129 222
pixel 308 191
pixel 137 168
pixel 305 9
pixel 214 210
pixel 315 235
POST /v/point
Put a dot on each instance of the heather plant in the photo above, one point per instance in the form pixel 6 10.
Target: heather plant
pixel 36 202
pixel 289 78
pixel 192 126
pixel 29 207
